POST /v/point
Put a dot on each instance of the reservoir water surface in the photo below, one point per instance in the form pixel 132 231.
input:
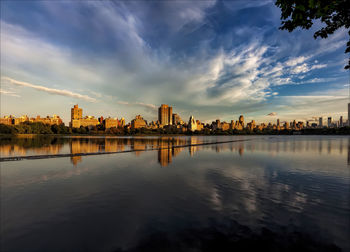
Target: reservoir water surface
pixel 181 193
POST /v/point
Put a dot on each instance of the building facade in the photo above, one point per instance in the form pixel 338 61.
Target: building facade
pixel 138 122
pixel 329 122
pixel 110 123
pixel 320 122
pixel 177 120
pixel 192 124
pixel 165 114
pixel 77 119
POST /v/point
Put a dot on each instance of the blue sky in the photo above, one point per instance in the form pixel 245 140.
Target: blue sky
pixel 210 59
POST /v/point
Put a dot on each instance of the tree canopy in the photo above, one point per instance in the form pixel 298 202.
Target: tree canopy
pixel 334 14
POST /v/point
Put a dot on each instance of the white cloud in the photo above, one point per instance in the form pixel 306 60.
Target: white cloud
pixel 303 68
pixel 241 77
pixel 48 90
pixel 272 114
pixel 146 105
pixel 296 60
pixel 22 51
pixel 9 93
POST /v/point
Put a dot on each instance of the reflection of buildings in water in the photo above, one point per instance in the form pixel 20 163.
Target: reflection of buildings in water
pixel 329 146
pixel 277 146
pixel 168 149
pixel 11 150
pixel 110 146
pixel 15 150
pixel 320 146
pixel 240 150
pixel 193 149
pixel 285 146
pixel 176 151
pixel 79 146
pixel 139 148
pixel 75 160
pixel 341 146
pixel 82 146
pixel 164 156
pixel 293 146
pixel 164 152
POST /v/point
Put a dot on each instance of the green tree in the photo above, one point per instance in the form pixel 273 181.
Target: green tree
pixel 334 14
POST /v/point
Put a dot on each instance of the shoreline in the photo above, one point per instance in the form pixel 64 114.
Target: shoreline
pixel 172 135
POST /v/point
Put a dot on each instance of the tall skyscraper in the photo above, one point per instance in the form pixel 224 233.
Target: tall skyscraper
pixel 278 122
pixel 329 122
pixel 320 122
pixel 165 114
pixel 341 123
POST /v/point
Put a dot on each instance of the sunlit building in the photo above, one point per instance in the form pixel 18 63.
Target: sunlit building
pixel 122 122
pixel 192 124
pixel 7 120
pixel 165 114
pixel 54 120
pixel 177 120
pixel 24 118
pixel 110 122
pixel 138 122
pixel 251 126
pixel 77 119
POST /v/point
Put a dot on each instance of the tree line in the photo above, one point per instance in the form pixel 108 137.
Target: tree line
pixel 41 128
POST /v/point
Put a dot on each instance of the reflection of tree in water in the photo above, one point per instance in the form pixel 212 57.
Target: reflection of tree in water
pixel 13 146
pixel 167 146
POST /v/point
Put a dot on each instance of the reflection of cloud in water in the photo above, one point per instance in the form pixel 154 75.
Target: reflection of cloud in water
pixel 253 189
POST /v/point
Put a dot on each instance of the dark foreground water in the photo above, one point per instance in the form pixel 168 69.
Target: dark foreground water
pixel 275 193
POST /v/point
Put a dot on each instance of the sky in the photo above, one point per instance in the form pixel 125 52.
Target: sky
pixel 210 59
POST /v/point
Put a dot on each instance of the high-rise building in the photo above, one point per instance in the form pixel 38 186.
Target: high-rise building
pixel 329 122
pixel 76 113
pixel 320 122
pixel 192 124
pixel 278 122
pixel 241 120
pixel 341 123
pixel 165 115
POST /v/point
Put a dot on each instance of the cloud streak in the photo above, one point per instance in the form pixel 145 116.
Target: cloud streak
pixel 9 93
pixel 141 104
pixel 49 90
pixel 272 114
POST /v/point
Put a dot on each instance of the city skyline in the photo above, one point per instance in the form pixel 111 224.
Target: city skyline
pixel 166 118
pixel 209 59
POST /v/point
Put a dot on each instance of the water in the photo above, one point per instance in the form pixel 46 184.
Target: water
pixel 278 192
